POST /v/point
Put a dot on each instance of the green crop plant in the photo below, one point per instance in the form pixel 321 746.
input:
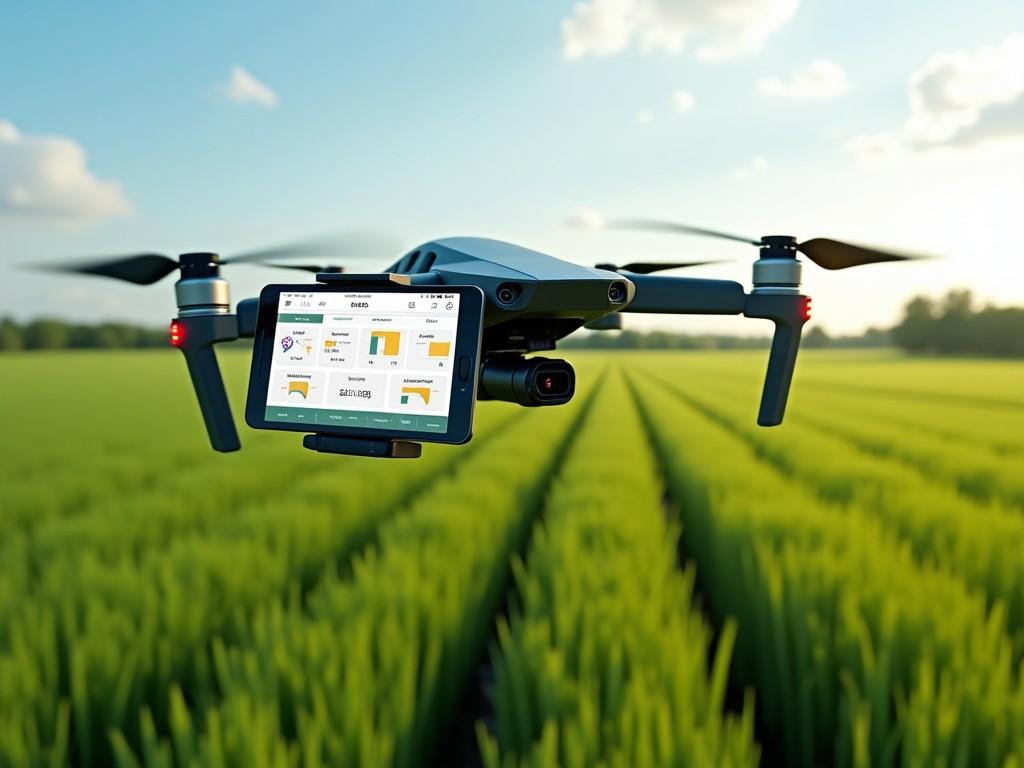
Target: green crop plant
pixel 978 402
pixel 859 654
pixel 606 660
pixel 164 605
pixel 369 668
pixel 982 542
pixel 102 617
pixel 977 472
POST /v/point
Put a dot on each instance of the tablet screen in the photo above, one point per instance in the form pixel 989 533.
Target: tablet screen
pixel 364 359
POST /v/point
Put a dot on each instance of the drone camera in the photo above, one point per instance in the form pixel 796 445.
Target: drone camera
pixel 530 382
pixel 554 384
pixel 508 293
pixel 617 292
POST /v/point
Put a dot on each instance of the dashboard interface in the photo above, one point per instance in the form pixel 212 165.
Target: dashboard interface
pixel 364 359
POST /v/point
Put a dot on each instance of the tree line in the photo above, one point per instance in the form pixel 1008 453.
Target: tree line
pixel 950 325
pixel 51 333
pixel 953 325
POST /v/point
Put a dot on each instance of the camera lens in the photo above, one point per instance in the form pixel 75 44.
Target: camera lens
pixel 531 382
pixel 508 293
pixel 552 383
pixel 617 293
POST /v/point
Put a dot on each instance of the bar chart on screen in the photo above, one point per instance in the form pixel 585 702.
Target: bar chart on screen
pixel 382 349
pixel 431 350
pixel 418 393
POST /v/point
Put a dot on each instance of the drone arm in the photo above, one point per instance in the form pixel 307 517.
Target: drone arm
pixel 685 295
pixel 195 337
pixel 789 312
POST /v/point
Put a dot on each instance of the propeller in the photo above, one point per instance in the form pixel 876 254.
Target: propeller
pixel 149 268
pixel 314 268
pixel 827 253
pixel 649 267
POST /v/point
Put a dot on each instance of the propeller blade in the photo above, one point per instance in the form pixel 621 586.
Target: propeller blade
pixel 140 268
pixel 314 268
pixel 650 267
pixel 345 247
pixel 655 225
pixel 833 254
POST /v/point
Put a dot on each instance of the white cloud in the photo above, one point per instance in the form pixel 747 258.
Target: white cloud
pixel 755 167
pixel 821 79
pixel 954 96
pixel 960 99
pixel 585 219
pixel 724 28
pixel 683 100
pixel 45 177
pixel 243 88
pixel 644 117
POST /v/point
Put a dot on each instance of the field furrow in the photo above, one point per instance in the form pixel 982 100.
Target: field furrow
pixel 369 670
pixel 606 661
pixel 110 632
pixel 982 475
pixel 860 654
pixel 950 381
pixel 981 542
pixel 164 606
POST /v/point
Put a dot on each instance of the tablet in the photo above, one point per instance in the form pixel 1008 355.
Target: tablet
pixel 382 361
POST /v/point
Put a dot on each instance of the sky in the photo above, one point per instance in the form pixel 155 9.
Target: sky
pixel 128 127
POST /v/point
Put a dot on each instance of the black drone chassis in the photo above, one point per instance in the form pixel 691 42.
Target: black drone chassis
pixel 531 302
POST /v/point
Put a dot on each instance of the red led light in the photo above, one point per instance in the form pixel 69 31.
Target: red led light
pixel 806 309
pixel 177 334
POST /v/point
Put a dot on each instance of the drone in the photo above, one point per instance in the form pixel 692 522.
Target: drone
pixel 525 301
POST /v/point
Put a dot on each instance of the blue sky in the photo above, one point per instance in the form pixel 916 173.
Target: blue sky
pixel 503 120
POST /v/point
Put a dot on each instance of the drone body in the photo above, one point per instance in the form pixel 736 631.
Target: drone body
pixel 533 299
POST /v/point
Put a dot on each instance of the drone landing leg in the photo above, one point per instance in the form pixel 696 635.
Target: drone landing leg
pixel 784 305
pixel 789 312
pixel 195 337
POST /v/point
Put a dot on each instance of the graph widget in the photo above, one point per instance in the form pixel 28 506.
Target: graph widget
pixel 385 343
pixel 432 350
pixel 338 347
pixel 382 349
pixel 297 387
pixel 419 393
pixel 296 344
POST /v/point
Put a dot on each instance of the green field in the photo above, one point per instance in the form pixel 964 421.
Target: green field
pixel 641 578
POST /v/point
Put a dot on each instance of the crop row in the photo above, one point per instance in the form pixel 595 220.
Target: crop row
pixel 369 669
pixel 991 424
pixel 95 423
pixel 100 630
pixel 126 525
pixel 606 659
pixel 981 542
pixel 859 653
pixel 983 475
pixel 880 427
pixel 950 381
